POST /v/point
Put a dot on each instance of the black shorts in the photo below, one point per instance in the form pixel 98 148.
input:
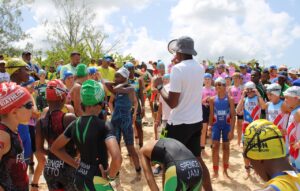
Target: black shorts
pixel 88 177
pixel 59 178
pixel 239 117
pixel 205 111
pixel 187 134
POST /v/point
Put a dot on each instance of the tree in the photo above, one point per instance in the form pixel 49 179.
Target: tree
pixel 74 30
pixel 10 29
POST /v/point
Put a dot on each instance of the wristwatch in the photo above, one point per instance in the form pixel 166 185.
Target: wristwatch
pixel 159 87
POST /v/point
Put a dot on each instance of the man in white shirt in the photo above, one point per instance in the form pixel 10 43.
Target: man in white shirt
pixel 184 98
pixel 4 76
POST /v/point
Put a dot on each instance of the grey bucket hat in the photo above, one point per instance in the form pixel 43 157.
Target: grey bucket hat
pixel 183 45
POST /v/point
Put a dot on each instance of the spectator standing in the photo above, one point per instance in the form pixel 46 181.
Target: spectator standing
pixel 184 98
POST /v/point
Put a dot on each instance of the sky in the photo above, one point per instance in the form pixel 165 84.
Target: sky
pixel 239 30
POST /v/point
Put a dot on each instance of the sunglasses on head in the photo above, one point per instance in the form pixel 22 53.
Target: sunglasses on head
pixel 28 105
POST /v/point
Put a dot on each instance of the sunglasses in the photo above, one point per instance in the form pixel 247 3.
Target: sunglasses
pixel 28 105
pixel 285 70
pixel 219 84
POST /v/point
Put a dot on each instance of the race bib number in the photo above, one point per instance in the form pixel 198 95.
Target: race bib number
pixel 53 167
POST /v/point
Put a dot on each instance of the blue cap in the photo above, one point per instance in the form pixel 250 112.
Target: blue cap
pixel 160 65
pixel 29 82
pixel 210 67
pixel 242 65
pixel 207 75
pixel 166 76
pixel 66 74
pixel 128 65
pixel 283 74
pixel 92 70
pixel 108 58
pixel 274 67
pixel 296 82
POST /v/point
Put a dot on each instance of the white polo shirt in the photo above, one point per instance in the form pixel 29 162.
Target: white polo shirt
pixel 187 79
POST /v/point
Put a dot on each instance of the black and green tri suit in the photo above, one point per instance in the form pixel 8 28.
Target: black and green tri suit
pixel 183 170
pixel 89 134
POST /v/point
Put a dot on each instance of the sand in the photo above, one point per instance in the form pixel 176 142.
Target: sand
pixel 236 169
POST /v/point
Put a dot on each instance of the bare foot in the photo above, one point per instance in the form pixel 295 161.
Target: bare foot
pixel 247 175
pixel 215 176
pixel 226 176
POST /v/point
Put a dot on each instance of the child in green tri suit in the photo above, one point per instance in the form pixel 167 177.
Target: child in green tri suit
pixel 94 139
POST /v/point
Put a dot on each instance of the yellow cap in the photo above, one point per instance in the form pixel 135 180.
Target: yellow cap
pixel 263 140
pixel 14 64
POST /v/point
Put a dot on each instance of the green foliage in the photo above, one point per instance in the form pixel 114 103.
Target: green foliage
pixel 120 59
pixel 10 29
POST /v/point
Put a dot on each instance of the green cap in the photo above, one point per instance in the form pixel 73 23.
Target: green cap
pixel 81 70
pixel 91 93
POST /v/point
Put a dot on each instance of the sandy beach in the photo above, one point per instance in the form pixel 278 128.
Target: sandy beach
pixel 237 182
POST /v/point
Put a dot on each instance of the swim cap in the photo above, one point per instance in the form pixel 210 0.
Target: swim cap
pixel 14 64
pixel 220 80
pixel 92 70
pixel 81 70
pixel 250 85
pixel 56 91
pixel 207 75
pixel 273 67
pixel 107 58
pixel 128 65
pixel 91 93
pixel 66 74
pixel 124 72
pixel 274 89
pixel 29 82
pixel 160 65
pixel 263 140
pixel 12 96
pixel 42 72
pixel 293 91
pixel 166 76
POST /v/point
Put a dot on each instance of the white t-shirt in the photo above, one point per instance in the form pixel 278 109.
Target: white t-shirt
pixel 4 77
pixel 165 107
pixel 187 79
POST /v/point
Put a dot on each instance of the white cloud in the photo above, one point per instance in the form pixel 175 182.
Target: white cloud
pixel 236 29
pixel 143 47
pixel 45 13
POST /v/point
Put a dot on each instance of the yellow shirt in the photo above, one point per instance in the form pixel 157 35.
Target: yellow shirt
pixel 289 181
pixel 51 76
pixel 107 74
pixel 93 65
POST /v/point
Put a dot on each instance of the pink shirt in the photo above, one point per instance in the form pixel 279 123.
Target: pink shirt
pixel 236 93
pixel 231 70
pixel 216 75
pixel 208 92
pixel 246 77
